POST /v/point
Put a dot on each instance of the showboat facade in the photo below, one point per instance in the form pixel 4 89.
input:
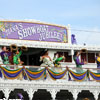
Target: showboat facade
pixel 46 82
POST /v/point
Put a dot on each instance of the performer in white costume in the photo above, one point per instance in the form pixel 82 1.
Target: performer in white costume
pixel 46 60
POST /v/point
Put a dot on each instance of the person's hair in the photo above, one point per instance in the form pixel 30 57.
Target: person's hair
pixel 55 54
pixel 97 54
pixel 3 47
pixel 75 53
pixel 43 52
pixel 8 48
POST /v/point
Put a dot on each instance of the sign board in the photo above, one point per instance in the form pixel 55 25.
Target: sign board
pixel 33 31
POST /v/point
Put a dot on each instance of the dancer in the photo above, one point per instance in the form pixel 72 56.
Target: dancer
pixel 17 61
pixel 10 56
pixel 57 60
pixel 46 60
pixel 78 63
pixel 16 58
pixel 5 55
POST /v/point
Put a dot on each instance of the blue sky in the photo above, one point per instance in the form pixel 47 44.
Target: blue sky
pixel 80 14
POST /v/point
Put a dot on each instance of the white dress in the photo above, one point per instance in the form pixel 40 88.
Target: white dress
pixel 47 62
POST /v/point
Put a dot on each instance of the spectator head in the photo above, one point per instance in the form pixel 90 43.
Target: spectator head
pixel 4 48
pixel 97 54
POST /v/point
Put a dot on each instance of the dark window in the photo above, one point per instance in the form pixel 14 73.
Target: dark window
pixel 68 58
pixel 83 57
pixel 91 57
pixel 24 59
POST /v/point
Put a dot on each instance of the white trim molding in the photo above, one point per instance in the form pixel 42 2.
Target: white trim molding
pixel 53 87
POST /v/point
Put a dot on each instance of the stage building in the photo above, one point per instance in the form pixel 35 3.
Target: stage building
pixel 37 37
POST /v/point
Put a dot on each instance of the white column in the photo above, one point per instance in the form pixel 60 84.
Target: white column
pixel 95 93
pixel 53 93
pixel 30 93
pixel 72 53
pixel 6 92
pixel 75 94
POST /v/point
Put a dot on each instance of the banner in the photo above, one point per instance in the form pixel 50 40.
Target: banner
pixel 11 74
pixel 56 75
pixel 95 76
pixel 0 73
pixel 34 75
pixel 33 31
pixel 77 76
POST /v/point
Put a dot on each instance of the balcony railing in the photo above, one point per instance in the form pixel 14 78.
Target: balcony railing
pixel 10 72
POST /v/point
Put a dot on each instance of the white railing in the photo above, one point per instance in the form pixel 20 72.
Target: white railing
pixel 31 86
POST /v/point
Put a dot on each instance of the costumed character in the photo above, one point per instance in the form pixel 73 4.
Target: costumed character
pixel 78 63
pixel 17 61
pixel 98 62
pixel 57 59
pixel 46 60
pixel 73 39
pixel 5 55
pixel 10 56
pixel 16 58
pixel 17 54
